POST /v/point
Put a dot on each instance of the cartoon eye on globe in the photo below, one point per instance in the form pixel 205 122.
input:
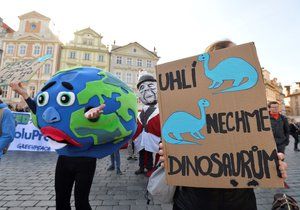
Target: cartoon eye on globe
pixel 42 99
pixel 65 98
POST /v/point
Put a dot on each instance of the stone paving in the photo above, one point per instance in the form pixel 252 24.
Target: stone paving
pixel 27 182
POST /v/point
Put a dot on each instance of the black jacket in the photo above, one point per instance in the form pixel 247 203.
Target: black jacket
pixel 294 129
pixel 281 131
pixel 191 198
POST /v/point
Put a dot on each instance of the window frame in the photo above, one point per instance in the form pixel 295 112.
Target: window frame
pixel 8 49
pixel 21 47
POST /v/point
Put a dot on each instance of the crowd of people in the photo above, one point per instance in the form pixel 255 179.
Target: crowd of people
pixel 147 144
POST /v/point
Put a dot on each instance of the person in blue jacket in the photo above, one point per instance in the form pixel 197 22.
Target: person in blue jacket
pixel 7 130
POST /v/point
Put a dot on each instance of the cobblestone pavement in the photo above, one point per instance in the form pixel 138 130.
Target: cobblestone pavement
pixel 27 182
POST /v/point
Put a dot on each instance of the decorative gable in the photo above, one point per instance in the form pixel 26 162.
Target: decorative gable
pixel 135 50
pixel 33 14
pixel 31 37
pixel 87 31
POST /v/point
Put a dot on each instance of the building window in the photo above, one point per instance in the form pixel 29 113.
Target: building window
pixel 4 91
pixel 87 41
pixel 149 63
pixel 22 50
pixel 37 50
pixel 32 26
pixel 72 55
pixel 100 58
pixel 129 78
pixel 16 95
pixel 119 75
pixel 10 49
pixel 134 50
pixel 32 91
pixel 87 56
pixel 139 62
pixel 49 50
pixel 47 68
pixel 129 61
pixel 119 60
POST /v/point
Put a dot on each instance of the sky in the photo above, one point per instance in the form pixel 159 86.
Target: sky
pixel 177 28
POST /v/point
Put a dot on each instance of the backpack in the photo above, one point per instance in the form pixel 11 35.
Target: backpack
pixel 158 188
pixel 284 202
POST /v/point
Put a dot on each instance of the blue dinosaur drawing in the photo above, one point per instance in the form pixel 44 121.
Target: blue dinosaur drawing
pixel 183 122
pixel 235 69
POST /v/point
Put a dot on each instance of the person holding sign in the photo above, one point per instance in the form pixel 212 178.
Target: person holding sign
pixel 87 114
pixel 189 198
pixel 85 166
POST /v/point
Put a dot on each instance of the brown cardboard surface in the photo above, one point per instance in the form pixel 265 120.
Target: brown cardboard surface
pixel 224 156
pixel 19 71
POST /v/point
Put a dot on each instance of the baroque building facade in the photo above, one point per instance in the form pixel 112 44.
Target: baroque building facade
pixel 32 40
pixel 293 100
pixel 4 30
pixel 274 90
pixel 86 49
pixel 127 61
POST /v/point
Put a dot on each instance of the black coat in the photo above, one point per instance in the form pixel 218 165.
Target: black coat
pixel 281 130
pixel 294 129
pixel 191 198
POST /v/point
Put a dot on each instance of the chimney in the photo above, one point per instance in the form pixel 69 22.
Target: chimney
pixel 288 89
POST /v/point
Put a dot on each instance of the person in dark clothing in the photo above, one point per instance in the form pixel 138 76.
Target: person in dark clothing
pixel 190 198
pixel 70 170
pixel 214 199
pixel 295 132
pixel 280 126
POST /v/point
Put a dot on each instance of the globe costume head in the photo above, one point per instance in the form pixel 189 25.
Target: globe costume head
pixel 147 87
pixel 65 98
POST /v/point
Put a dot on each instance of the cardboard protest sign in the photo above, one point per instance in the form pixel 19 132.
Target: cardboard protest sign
pixel 21 71
pixel 215 123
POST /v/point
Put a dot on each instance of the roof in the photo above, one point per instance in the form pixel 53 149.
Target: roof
pixel 88 30
pixel 293 94
pixel 34 14
pixel 138 45
pixel 7 28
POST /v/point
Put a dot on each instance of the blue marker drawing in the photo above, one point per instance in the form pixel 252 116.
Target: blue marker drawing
pixel 45 57
pixel 235 69
pixel 183 122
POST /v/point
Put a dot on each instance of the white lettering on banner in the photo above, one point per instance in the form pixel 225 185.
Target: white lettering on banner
pixel 29 138
pixel 32 135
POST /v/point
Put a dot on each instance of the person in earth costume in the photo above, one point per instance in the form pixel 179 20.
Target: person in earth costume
pixel 147 136
pixel 88 114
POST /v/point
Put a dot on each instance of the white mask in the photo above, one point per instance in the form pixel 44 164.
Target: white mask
pixel 148 92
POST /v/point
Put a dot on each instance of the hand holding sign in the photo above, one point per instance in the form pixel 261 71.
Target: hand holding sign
pixel 21 70
pixel 18 88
